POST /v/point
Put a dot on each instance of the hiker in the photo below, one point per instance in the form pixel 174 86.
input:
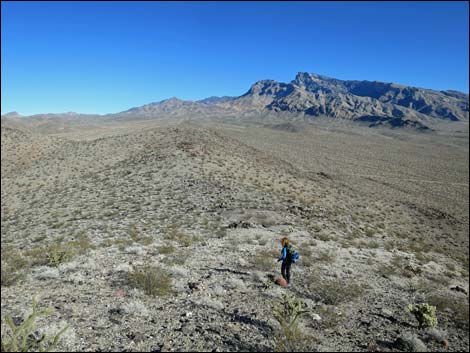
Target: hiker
pixel 286 258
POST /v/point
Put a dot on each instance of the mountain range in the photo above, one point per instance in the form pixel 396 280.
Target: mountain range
pixel 311 95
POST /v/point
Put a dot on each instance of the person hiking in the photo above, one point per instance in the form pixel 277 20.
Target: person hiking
pixel 286 258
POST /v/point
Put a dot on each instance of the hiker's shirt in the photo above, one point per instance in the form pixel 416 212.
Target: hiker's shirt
pixel 283 258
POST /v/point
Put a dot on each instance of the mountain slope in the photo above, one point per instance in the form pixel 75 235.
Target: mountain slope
pixel 308 95
pixel 317 95
pixel 172 107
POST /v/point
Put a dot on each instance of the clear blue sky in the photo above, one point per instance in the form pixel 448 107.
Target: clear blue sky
pixel 103 57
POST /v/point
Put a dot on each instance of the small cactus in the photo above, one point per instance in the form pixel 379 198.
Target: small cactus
pixel 289 310
pixel 23 338
pixel 291 338
pixel 424 313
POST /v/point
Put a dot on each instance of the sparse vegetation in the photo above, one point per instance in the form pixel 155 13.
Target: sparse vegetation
pixel 57 254
pixel 264 260
pixel 13 263
pixel 334 292
pixel 166 249
pixel 457 308
pixel 152 280
pixel 325 256
pixel 330 318
pixel 98 203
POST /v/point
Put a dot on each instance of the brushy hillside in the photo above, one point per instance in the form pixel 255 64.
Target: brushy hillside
pixel 166 238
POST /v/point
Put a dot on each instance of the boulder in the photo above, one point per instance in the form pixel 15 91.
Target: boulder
pixel 281 282
pixel 409 343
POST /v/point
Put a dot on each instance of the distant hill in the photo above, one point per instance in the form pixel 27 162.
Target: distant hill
pixel 214 99
pixel 377 103
pixel 309 95
pixel 11 115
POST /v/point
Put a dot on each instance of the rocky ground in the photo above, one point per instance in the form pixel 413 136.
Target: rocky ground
pixel 202 207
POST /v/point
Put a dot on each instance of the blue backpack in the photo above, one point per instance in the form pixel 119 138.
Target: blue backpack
pixel 293 255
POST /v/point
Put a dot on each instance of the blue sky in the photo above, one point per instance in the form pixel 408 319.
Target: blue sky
pixel 103 57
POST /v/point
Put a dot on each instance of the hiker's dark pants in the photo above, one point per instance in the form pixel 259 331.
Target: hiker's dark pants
pixel 285 270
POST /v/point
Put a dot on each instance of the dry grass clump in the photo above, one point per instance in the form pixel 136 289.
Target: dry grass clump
pixel 152 280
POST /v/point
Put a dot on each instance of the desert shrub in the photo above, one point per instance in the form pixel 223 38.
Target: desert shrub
pixel 81 245
pixel 176 259
pixel 324 236
pixel 166 249
pixel 13 262
pixel 424 313
pixel 325 256
pixel 39 238
pixel 137 237
pixel 329 317
pixel 58 254
pixel 23 337
pixel 262 242
pixel 199 239
pixel 306 252
pixel 356 233
pixel 152 280
pixel 372 244
pixel 417 245
pixel 422 258
pixel 175 234
pixel 9 274
pixel 184 240
pixel 458 308
pixel 396 266
pixel 315 228
pixel 334 292
pixel 121 243
pixel 290 338
pixel 263 260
